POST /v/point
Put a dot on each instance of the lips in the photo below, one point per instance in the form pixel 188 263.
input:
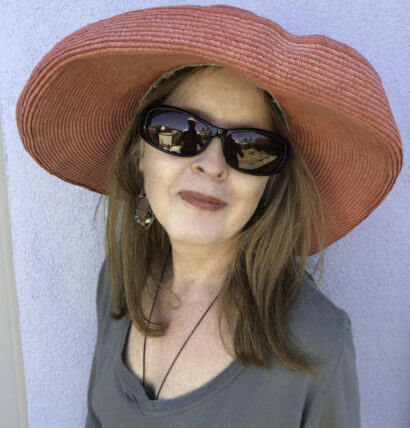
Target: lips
pixel 201 200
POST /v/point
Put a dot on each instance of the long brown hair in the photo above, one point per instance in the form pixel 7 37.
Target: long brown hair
pixel 268 266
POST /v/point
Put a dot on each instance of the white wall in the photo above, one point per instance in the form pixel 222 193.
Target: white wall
pixel 57 251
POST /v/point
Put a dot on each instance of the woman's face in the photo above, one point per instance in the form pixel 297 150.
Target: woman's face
pixel 225 100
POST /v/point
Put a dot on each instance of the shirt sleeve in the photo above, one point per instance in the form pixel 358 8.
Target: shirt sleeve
pixel 92 420
pixel 339 407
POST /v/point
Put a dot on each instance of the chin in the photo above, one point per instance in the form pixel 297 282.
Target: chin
pixel 196 237
pixel 197 234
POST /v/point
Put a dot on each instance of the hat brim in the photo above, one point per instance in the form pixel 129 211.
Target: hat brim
pixel 82 94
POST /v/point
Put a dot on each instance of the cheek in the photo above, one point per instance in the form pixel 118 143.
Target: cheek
pixel 251 193
pixel 155 175
pixel 255 190
pixel 160 172
pixel 153 165
pixel 149 165
pixel 261 187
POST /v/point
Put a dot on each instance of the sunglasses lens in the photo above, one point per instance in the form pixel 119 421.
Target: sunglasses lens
pixel 176 132
pixel 250 151
pixel 255 152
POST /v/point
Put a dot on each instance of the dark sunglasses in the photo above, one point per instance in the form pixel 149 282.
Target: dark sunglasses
pixel 181 133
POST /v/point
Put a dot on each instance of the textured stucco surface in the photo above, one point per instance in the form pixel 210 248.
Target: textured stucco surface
pixel 58 250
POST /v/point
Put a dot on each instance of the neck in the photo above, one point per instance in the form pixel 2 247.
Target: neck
pixel 196 272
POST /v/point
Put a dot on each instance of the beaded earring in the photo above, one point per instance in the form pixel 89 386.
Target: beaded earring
pixel 143 212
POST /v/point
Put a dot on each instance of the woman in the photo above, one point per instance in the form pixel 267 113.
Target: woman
pixel 205 316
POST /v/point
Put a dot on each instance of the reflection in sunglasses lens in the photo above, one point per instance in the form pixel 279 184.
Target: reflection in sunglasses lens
pixel 183 134
pixel 250 150
pixel 177 132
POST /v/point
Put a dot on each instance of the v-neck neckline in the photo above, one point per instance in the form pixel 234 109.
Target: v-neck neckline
pixel 134 390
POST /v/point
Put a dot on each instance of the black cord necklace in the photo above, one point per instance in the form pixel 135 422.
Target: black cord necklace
pixel 145 335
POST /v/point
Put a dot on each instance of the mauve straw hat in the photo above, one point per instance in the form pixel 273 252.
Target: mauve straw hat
pixel 83 93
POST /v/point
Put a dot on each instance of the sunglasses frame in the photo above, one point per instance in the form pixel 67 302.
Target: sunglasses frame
pixel 215 132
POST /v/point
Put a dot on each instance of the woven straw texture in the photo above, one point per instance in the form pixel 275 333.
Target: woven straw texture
pixel 82 94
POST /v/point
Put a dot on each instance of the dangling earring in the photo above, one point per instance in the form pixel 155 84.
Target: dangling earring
pixel 143 213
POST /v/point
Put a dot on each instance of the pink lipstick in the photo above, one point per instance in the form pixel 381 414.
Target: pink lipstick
pixel 200 200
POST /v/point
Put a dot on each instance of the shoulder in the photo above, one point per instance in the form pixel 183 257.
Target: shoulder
pixel 104 295
pixel 318 326
pixel 324 332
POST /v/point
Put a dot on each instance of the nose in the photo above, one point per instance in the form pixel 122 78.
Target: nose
pixel 212 160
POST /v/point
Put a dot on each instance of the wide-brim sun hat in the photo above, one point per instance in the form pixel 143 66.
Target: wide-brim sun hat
pixel 84 91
